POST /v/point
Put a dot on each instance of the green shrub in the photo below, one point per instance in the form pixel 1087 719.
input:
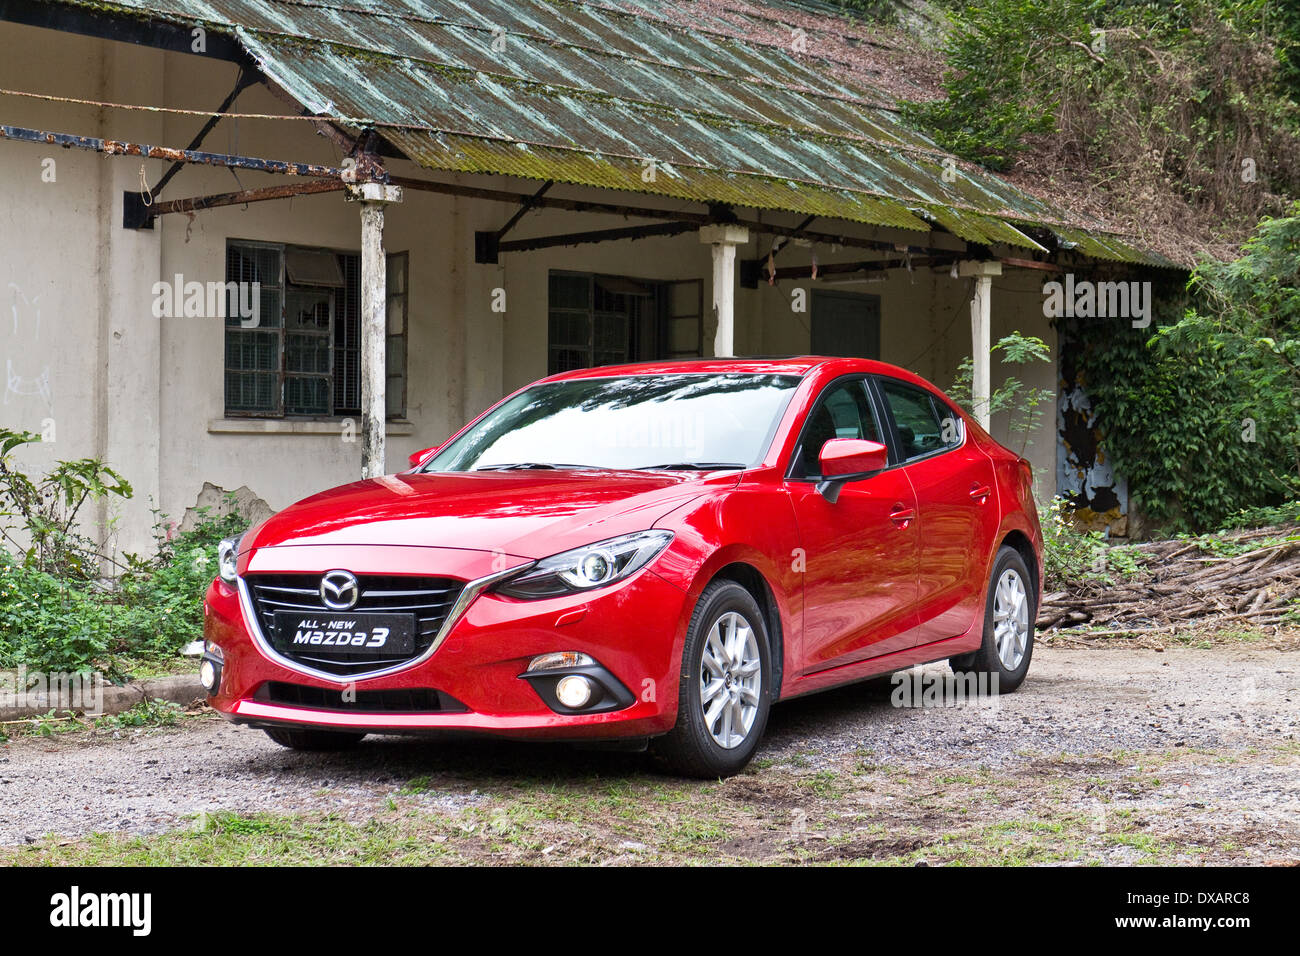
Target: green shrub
pixel 54 613
pixel 1023 403
pixel 160 601
pixel 49 624
pixel 1071 556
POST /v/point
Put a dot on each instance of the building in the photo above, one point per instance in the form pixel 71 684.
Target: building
pixel 423 207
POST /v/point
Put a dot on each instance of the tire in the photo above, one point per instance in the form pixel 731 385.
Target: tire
pixel 1004 640
pixel 694 747
pixel 322 741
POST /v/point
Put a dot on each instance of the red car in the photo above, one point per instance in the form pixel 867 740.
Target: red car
pixel 647 553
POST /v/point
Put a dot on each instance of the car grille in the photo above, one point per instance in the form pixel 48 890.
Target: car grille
pixel 415 700
pixel 429 599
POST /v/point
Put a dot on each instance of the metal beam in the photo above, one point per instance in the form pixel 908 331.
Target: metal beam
pixel 851 242
pixel 287 191
pixel 487 245
pixel 869 265
pixel 549 202
pixel 242 82
pixel 112 147
pixel 598 235
pixel 1031 264
pixel 645 212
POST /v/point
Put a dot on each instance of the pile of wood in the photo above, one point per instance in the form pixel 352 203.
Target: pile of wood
pixel 1184 584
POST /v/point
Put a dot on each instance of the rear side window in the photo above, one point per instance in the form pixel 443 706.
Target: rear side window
pixel 925 425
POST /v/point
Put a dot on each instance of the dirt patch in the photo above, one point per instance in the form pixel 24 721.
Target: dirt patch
pixel 1123 756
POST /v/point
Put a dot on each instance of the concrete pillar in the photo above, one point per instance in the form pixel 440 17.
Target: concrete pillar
pixel 724 239
pixel 373 197
pixel 981 335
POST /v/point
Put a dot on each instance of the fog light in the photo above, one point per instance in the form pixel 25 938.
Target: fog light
pixel 209 675
pixel 573 691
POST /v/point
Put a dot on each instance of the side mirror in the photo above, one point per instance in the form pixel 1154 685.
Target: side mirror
pixel 845 458
pixel 420 457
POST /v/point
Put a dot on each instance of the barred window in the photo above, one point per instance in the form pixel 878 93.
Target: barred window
pixel 297 352
pixel 606 320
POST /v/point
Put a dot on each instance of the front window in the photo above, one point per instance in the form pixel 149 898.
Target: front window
pixel 634 422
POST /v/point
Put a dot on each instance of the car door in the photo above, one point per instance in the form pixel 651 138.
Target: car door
pixel 956 506
pixel 859 552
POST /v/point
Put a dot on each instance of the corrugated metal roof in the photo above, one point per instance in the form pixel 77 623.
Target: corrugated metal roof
pixel 621 97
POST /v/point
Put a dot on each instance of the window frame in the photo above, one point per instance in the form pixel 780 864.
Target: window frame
pixel 895 441
pixel 794 468
pixel 336 351
pixel 663 318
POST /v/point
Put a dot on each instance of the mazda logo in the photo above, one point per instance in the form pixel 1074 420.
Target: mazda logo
pixel 339 590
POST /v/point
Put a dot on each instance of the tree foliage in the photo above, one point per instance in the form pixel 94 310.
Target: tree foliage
pixel 1203 417
pixel 1196 98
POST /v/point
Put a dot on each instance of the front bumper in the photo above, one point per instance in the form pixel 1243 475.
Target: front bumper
pixel 634 629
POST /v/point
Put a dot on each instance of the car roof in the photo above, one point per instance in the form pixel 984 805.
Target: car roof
pixel 799 365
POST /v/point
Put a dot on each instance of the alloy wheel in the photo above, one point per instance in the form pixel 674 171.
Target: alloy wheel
pixel 1011 619
pixel 730 680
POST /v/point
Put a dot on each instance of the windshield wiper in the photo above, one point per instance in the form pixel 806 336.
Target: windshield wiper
pixel 693 466
pixel 531 465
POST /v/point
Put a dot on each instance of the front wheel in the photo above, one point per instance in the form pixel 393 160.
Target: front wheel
pixel 723 700
pixel 1009 615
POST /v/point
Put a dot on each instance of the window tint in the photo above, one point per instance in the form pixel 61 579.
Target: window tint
pixel 925 425
pixel 842 412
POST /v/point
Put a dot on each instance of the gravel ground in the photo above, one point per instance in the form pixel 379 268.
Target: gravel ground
pixel 1224 722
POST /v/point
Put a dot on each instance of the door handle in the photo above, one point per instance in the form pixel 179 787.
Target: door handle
pixel 980 492
pixel 901 515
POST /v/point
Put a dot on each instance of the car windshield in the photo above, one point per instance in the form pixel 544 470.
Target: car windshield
pixel 685 421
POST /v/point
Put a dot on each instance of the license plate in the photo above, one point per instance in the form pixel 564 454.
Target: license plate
pixel 377 634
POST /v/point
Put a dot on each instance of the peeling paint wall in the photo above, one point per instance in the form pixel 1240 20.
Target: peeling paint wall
pixel 1083 470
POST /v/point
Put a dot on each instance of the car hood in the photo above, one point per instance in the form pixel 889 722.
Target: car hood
pixel 529 514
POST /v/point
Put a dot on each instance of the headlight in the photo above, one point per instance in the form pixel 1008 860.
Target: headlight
pixel 592 566
pixel 227 555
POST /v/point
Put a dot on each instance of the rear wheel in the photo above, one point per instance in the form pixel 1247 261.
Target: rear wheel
pixel 723 700
pixel 1009 615
pixel 317 740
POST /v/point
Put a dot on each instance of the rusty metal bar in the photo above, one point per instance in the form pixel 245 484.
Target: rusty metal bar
pixel 870 265
pixel 643 212
pixel 599 235
pixel 287 191
pixel 851 242
pixel 548 202
pixel 111 147
pixel 1031 264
